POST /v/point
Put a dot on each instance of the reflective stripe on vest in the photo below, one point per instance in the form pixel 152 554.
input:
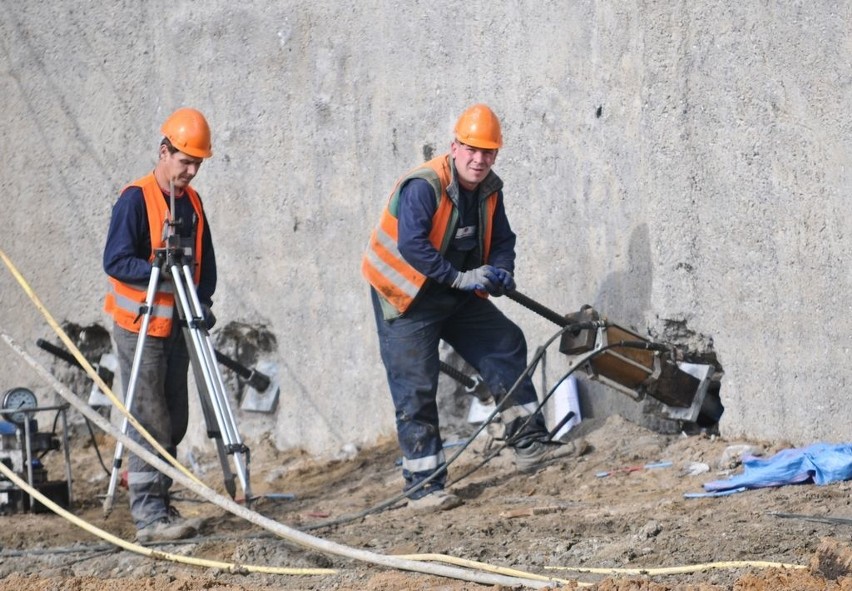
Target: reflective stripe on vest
pixel 125 301
pixel 385 268
pixel 162 309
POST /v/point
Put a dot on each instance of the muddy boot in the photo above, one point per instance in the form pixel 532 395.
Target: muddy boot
pixel 166 529
pixel 537 454
pixel 439 500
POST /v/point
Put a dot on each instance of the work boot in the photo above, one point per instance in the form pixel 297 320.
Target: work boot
pixel 194 522
pixel 166 529
pixel 439 500
pixel 537 454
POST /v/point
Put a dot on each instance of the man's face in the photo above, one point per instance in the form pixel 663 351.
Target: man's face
pixel 179 167
pixel 472 164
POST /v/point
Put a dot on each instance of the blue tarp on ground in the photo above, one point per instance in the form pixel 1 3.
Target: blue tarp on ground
pixel 820 463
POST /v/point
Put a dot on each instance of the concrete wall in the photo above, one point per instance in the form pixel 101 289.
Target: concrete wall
pixel 683 167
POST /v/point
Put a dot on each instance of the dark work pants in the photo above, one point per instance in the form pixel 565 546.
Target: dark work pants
pixel 484 337
pixel 160 404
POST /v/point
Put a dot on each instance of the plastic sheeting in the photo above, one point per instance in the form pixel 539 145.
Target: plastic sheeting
pixel 819 463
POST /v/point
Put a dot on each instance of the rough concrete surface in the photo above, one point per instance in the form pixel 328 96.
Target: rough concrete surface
pixel 683 167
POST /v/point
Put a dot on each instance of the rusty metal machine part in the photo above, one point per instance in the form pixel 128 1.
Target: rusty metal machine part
pixel 638 371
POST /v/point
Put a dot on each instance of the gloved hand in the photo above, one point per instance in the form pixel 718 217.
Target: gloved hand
pixel 483 278
pixel 209 317
pixel 505 284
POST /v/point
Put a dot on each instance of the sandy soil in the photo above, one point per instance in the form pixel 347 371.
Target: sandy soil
pixel 566 516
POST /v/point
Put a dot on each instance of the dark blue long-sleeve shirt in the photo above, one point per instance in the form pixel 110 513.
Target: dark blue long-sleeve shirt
pixel 417 206
pixel 128 244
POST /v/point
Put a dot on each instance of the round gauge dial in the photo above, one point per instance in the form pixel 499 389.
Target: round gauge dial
pixel 15 401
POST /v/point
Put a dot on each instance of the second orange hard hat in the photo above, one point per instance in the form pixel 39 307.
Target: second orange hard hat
pixel 479 127
pixel 188 131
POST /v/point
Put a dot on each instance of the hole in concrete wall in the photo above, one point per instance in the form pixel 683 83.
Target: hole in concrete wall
pixel 93 341
pixel 243 343
pixel 697 348
pixel 95 344
pixel 246 344
pixel 673 390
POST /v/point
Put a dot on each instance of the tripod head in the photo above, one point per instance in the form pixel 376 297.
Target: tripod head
pixel 177 249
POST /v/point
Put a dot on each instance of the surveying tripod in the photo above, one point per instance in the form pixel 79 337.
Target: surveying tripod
pixel 176 260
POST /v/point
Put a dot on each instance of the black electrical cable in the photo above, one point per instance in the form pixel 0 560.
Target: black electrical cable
pixel 498 407
pixel 52 433
pixel 620 344
pixel 551 392
pixel 97 449
pixel 91 436
pixel 815 518
pixel 443 467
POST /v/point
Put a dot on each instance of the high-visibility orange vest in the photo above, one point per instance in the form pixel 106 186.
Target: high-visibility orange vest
pixel 125 301
pixel 383 265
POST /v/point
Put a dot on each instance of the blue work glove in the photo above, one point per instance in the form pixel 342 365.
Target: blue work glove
pixel 482 278
pixel 505 283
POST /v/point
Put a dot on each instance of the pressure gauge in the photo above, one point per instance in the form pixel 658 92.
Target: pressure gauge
pixel 15 401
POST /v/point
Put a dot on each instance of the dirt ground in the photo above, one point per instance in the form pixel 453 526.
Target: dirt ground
pixel 566 516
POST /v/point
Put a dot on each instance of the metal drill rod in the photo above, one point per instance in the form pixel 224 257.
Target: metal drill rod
pixel 58 352
pixel 257 380
pixel 539 309
pixel 561 321
pixel 472 384
pixel 468 382
pixel 104 373
pixel 254 378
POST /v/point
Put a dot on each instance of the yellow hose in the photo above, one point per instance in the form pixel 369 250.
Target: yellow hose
pixel 180 475
pixel 406 562
pixel 136 548
pixel 228 504
pixel 90 371
pixel 678 570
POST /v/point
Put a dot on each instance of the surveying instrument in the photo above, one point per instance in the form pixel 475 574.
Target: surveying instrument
pixel 176 259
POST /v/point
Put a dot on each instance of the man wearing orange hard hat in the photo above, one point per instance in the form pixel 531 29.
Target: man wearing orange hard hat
pixel 442 245
pixel 137 230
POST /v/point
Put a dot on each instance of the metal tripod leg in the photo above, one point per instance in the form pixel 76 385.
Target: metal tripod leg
pixel 147 312
pixel 209 379
pixel 213 431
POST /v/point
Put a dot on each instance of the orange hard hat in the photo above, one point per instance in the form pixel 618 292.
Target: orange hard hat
pixel 188 131
pixel 479 127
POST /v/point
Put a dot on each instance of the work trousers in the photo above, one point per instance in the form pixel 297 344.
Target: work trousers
pixel 485 338
pixel 160 404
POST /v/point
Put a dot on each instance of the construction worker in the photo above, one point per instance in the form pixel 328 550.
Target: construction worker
pixel 137 229
pixel 442 245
